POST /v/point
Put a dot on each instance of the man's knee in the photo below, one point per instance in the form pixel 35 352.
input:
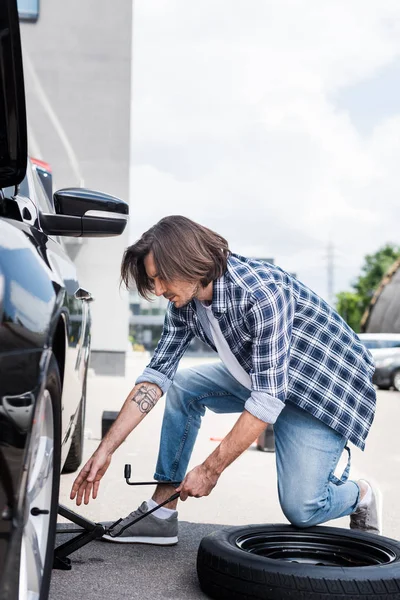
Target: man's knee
pixel 296 515
pixel 301 512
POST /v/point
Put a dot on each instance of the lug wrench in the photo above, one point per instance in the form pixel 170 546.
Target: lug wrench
pixel 127 475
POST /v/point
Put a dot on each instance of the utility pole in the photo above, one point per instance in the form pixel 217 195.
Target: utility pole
pixel 330 270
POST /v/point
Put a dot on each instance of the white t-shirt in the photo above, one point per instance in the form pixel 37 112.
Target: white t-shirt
pixel 225 353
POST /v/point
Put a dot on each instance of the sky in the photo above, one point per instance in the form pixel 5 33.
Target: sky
pixel 275 123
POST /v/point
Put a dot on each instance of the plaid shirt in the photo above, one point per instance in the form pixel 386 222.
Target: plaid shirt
pixel 292 344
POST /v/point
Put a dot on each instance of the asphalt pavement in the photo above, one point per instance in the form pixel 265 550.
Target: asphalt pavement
pixel 246 493
pixel 116 571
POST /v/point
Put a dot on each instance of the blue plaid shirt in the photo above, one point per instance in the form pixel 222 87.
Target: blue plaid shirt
pixel 292 344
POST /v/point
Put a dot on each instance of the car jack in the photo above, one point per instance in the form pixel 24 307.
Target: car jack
pixel 89 530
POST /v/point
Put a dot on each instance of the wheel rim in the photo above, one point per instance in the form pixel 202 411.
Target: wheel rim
pixel 396 381
pixel 39 495
pixel 315 549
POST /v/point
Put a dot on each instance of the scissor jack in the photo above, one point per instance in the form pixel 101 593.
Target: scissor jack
pixel 89 530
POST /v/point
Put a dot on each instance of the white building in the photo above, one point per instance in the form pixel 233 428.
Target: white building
pixel 77 66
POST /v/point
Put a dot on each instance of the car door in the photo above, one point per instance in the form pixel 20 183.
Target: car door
pixel 75 313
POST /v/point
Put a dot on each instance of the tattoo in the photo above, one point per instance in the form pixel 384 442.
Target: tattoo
pixel 146 398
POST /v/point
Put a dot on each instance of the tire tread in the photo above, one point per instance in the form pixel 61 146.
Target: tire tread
pixel 230 580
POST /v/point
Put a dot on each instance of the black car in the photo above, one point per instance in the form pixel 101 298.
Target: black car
pixel 387 369
pixel 44 335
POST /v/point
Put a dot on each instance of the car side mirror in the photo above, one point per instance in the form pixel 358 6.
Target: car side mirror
pixel 81 212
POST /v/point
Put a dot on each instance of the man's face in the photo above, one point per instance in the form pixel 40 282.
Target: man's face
pixel 177 291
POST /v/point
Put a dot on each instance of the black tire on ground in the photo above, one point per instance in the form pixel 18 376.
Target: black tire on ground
pixel 75 453
pixel 383 387
pixel 396 380
pixel 227 571
pixel 266 439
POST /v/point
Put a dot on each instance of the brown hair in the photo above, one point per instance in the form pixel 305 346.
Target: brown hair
pixel 182 249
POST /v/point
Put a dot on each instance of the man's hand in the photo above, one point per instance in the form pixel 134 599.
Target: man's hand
pixel 139 402
pixel 202 479
pixel 88 480
pixel 198 482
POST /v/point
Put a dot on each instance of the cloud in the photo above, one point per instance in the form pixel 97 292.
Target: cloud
pixel 236 124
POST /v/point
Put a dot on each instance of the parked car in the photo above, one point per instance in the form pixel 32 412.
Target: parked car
pixel 44 335
pixel 380 341
pixel 387 369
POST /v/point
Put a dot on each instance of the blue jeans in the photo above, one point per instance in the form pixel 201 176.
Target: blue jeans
pixel 307 450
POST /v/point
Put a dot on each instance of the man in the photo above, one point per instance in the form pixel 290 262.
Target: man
pixel 286 358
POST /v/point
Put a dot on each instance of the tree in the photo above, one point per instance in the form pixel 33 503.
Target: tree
pixel 352 304
pixel 349 306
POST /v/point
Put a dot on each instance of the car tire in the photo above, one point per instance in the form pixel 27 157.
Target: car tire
pixel 42 490
pixel 266 439
pixel 396 380
pixel 75 454
pixel 280 562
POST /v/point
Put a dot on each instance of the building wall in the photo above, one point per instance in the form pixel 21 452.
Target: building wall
pixel 77 64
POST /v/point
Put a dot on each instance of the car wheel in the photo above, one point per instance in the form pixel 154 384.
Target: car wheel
pixel 280 562
pixel 383 387
pixel 266 439
pixel 75 453
pixel 41 499
pixel 396 380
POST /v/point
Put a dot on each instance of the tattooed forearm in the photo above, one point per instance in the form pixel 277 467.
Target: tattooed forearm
pixel 146 398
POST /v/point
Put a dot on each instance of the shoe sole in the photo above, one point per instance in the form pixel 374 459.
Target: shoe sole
pixel 379 502
pixel 155 541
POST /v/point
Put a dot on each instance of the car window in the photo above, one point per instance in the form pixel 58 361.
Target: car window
pixel 41 196
pixel 391 344
pixel 28 10
pixel 371 344
pixel 23 189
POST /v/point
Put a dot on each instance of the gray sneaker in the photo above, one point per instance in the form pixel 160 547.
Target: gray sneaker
pixel 150 530
pixel 369 518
